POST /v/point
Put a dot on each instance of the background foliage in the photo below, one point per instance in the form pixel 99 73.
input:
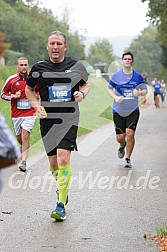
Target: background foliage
pixel 157 13
pixel 27 26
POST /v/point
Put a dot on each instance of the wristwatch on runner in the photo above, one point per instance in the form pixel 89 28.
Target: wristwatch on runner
pixel 84 94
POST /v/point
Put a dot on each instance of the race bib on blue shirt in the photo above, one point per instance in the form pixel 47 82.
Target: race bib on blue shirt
pixel 127 94
pixel 60 93
pixel 23 104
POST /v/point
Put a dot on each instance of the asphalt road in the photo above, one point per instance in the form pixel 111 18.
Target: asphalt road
pixel 110 207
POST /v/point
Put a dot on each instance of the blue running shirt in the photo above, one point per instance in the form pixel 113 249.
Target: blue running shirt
pixel 157 87
pixel 124 85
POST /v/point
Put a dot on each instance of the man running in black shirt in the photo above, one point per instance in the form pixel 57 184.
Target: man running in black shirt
pixel 62 83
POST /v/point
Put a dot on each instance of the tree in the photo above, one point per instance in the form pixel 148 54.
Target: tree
pixel 147 52
pixel 30 29
pixel 102 51
pixel 158 14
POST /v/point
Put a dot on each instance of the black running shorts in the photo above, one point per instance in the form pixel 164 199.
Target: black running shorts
pixel 56 137
pixel 123 122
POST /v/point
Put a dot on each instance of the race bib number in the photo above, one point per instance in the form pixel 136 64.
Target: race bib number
pixel 23 104
pixel 60 93
pixel 128 94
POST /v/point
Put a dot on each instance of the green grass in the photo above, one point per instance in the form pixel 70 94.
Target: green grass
pixel 95 110
pixel 162 231
pixel 107 113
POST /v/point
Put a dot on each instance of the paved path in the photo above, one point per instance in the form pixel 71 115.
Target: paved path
pixel 110 208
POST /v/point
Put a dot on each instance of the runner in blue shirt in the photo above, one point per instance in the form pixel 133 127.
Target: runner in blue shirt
pixel 157 92
pixel 128 85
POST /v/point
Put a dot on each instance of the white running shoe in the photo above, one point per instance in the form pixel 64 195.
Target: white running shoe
pixel 128 163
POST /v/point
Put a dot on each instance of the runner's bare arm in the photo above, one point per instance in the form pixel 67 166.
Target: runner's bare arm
pixel 31 95
pixel 117 98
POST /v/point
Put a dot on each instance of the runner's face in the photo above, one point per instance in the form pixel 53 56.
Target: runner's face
pixel 56 48
pixel 127 61
pixel 22 66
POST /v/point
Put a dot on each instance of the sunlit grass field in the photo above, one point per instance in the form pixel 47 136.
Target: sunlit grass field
pixel 95 110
